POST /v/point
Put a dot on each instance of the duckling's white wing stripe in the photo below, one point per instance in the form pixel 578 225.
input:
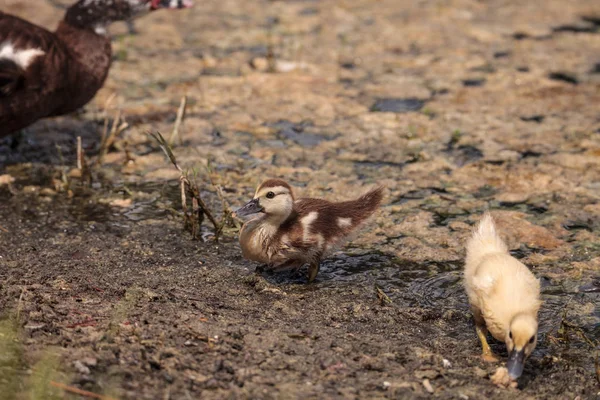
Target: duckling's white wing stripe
pixel 306 223
pixel 344 222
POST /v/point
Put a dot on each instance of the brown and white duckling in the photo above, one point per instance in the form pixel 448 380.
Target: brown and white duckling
pixel 504 296
pixel 288 233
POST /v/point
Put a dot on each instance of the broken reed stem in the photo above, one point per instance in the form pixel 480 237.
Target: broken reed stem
pixel 79 154
pixel 105 128
pixel 80 392
pixel 206 211
pixel 188 187
pixel 3 229
pixel 178 122
pixel 271 61
pixel 108 139
pixel 597 365
pixel 82 165
pixel 64 168
pixel 383 298
pixel 227 212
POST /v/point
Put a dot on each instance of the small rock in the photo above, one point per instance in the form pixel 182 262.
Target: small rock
pixel 511 198
pixel 30 189
pixel 260 64
pixel 211 384
pixel 502 379
pixel 90 361
pixel 34 327
pixel 196 376
pixel 209 61
pixel 479 372
pixel 75 173
pixel 82 369
pixel 47 192
pixel 6 179
pixel 428 373
pixel 386 384
pixel 446 363
pixel 33 315
pixel 168 377
pixel 427 385
pixel 124 203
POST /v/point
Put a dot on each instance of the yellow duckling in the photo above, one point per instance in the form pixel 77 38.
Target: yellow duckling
pixel 288 233
pixel 504 296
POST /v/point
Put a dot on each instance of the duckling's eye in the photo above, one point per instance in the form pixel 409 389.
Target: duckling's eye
pixel 510 335
pixel 532 339
pixel 270 195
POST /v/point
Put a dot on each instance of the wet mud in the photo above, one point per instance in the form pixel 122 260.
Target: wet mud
pixel 455 107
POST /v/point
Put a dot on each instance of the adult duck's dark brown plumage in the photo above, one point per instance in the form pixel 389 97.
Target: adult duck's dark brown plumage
pixel 45 74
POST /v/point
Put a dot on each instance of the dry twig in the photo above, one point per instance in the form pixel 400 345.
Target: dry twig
pixel 227 217
pixel 178 122
pixel 82 165
pixel 80 392
pixel 188 187
pixel 109 138
pixel 383 298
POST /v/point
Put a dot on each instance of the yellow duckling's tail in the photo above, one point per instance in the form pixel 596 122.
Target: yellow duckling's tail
pixel 485 240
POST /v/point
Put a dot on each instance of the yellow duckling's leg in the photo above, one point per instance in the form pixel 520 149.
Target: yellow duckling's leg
pixel 487 353
pixel 313 270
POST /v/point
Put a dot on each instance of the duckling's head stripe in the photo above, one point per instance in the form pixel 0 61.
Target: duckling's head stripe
pixel 274 183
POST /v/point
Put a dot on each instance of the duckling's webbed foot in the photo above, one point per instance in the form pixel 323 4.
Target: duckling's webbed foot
pixel 313 270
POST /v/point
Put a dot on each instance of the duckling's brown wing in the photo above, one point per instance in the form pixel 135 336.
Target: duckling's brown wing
pixel 30 71
pixel 334 221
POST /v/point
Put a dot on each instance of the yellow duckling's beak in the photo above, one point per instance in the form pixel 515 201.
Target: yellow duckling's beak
pixel 515 363
pixel 252 207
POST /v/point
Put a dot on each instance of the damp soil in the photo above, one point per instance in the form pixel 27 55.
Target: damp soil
pixel 102 289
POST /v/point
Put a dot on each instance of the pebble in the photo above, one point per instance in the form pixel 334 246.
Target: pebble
pixel 90 361
pixel 81 368
pixel 6 179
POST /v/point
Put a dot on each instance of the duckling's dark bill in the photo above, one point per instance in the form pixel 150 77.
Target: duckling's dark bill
pixel 515 362
pixel 252 207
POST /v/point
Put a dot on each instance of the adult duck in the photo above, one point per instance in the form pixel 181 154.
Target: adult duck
pixel 45 74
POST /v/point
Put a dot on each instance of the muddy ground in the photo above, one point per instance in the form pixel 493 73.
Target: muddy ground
pixel 455 106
